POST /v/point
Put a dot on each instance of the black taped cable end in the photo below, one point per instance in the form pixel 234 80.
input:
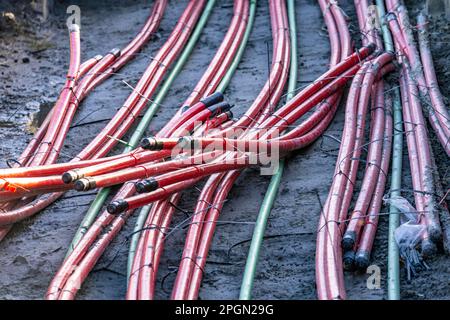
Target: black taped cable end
pixel 70 176
pixel 213 99
pixel 428 248
pixel 348 240
pixel 219 108
pixel 435 233
pixel 117 207
pixel 348 260
pixel 362 260
pixel 151 143
pixel 80 185
pixel 84 184
pixel 230 114
pixel 147 185
pixel 67 177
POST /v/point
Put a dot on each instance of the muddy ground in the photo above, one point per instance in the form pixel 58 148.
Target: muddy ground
pixel 33 61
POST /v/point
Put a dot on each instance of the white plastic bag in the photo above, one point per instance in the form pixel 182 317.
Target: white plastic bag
pixel 409 213
pixel 408 235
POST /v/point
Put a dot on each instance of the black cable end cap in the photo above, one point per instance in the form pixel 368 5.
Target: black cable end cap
pixel 428 248
pixel 213 99
pixel 435 233
pixel 348 240
pixel 67 177
pixel 70 176
pixel 81 185
pixel 219 108
pixel 147 185
pixel 348 261
pixel 117 207
pixel 146 143
pixel 151 144
pixel 362 260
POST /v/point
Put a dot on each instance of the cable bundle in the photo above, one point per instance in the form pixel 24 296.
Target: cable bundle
pixel 203 141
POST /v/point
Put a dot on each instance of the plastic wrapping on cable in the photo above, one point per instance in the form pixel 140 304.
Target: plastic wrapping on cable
pixel 409 235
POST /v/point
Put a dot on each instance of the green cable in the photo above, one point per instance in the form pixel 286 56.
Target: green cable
pixel 396 179
pixel 221 88
pixel 271 194
pixel 387 37
pixel 89 218
pixel 394 214
pixel 143 213
pixel 139 225
pixel 139 131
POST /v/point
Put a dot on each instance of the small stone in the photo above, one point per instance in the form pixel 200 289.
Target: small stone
pixel 26 60
pixel 19 260
pixel 32 105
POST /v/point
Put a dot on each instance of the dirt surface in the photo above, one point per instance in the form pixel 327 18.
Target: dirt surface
pixel 33 61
